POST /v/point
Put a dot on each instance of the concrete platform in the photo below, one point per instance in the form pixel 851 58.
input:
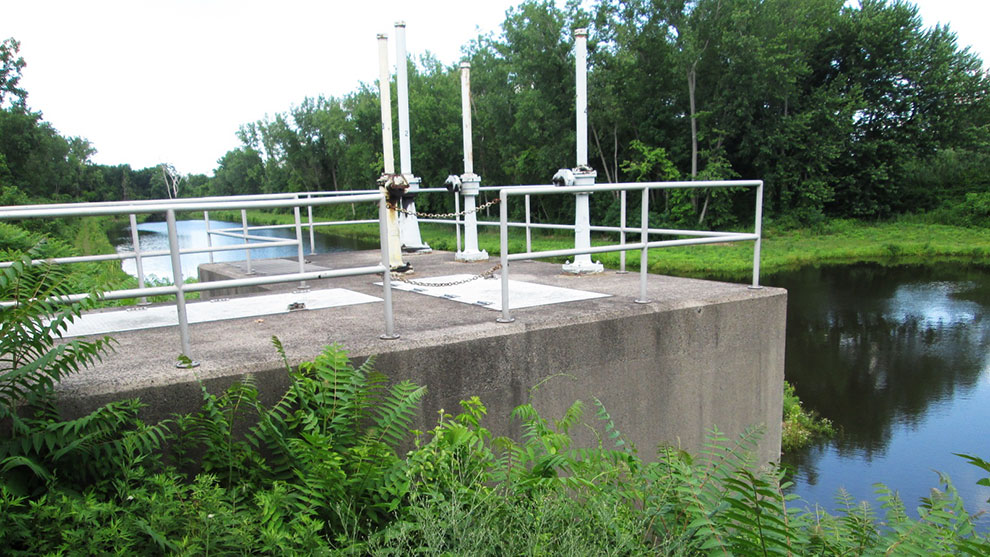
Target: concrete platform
pixel 701 353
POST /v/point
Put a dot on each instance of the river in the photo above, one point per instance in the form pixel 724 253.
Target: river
pixel 153 236
pixel 897 357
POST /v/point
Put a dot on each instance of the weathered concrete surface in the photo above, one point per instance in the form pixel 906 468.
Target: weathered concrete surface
pixel 700 354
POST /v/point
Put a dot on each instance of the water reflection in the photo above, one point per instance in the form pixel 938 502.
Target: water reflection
pixel 897 358
pixel 153 236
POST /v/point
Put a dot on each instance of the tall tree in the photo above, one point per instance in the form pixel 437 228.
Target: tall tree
pixel 11 66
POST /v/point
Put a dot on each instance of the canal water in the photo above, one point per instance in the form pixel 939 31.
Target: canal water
pixel 153 236
pixel 899 359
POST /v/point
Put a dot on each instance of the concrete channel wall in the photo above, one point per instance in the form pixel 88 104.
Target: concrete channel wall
pixel 701 354
pixel 665 378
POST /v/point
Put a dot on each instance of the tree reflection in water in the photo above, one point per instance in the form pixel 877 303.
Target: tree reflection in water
pixel 897 358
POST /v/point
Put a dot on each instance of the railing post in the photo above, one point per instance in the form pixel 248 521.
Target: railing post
pixel 759 236
pixel 247 251
pixel 622 231
pixel 180 296
pixel 209 236
pixel 644 237
pixel 383 237
pixel 303 287
pixel 529 235
pixel 312 236
pixel 136 241
pixel 503 230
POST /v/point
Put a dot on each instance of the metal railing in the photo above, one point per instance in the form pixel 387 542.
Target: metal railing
pixel 179 288
pixel 697 237
pixel 311 199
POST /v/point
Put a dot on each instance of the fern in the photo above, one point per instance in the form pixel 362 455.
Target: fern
pixel 32 360
pixel 40 445
pixel 330 442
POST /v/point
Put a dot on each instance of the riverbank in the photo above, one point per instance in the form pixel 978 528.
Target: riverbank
pixel 898 242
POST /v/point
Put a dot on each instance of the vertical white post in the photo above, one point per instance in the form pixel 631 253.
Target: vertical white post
pixel 247 251
pixel 759 233
pixel 466 117
pixel 385 95
pixel 383 237
pixel 312 236
pixel 209 236
pixel 583 175
pixel 457 219
pixel 402 94
pixel 644 254
pixel 529 232
pixel 303 287
pixel 622 231
pixel 180 295
pixel 409 234
pixel 503 234
pixel 136 242
pixel 470 182
pixel 581 83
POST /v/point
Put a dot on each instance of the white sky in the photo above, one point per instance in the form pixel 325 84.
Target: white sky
pixel 171 81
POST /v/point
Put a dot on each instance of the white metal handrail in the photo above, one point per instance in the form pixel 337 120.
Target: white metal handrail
pixel 179 288
pixel 701 236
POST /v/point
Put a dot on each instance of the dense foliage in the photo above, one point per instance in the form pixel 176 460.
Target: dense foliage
pixel 844 109
pixel 322 471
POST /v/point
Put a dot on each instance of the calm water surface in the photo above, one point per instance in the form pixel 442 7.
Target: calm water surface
pixel 153 236
pixel 899 359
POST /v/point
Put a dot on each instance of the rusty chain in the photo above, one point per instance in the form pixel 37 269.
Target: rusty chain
pixel 442 215
pixel 490 273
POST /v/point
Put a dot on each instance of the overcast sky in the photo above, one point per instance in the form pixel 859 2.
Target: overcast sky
pixel 171 81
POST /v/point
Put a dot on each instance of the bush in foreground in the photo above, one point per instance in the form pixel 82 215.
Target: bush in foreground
pixel 320 472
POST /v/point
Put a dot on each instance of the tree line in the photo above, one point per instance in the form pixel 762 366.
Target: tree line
pixel 844 110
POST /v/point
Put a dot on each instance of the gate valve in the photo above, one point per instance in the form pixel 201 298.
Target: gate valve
pixel 563 177
pixel 453 183
pixel 395 184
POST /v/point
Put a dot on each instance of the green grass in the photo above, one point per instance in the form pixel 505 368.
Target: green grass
pixel 904 241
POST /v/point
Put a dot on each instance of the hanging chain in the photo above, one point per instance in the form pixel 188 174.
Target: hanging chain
pixel 442 215
pixel 490 273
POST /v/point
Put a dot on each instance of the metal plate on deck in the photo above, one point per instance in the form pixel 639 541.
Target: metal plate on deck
pixel 487 293
pixel 201 312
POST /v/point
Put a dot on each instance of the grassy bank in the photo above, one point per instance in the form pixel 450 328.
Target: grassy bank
pixel 836 242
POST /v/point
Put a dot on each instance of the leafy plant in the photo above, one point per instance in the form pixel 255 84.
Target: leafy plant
pixel 39 445
pixel 330 442
pixel 801 427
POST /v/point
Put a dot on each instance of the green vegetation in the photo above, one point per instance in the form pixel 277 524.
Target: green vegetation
pixel 846 110
pixel 900 122
pixel 321 472
pixel 840 241
pixel 801 427
pixel 87 236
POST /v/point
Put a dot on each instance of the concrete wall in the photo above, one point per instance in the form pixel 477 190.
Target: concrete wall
pixel 665 378
pixel 666 375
